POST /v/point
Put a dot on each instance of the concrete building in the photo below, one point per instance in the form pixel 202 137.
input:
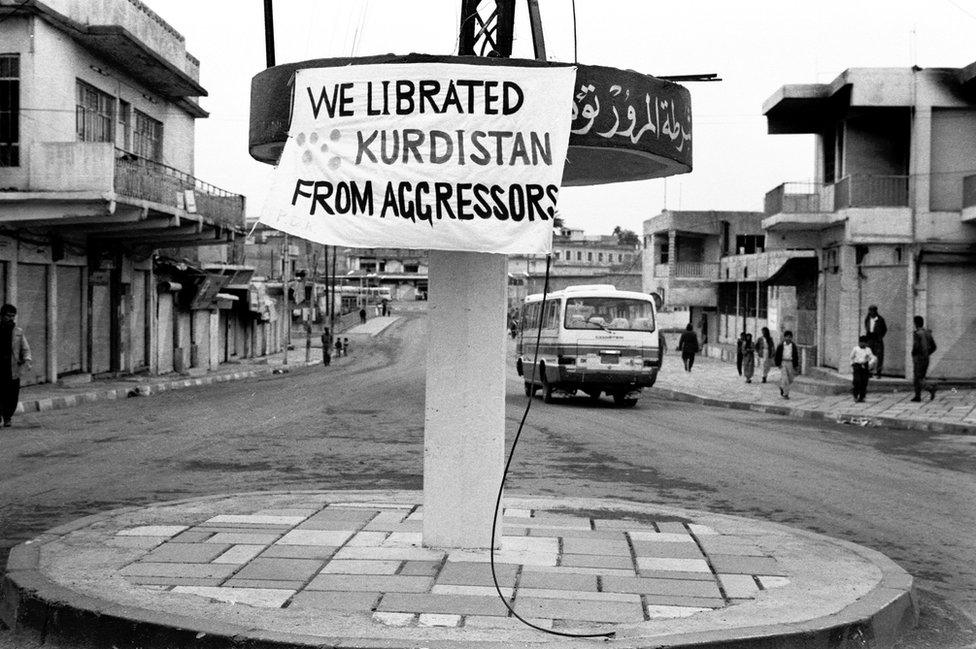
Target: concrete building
pixel 577 258
pixel 890 218
pixel 97 108
pixel 404 272
pixel 690 259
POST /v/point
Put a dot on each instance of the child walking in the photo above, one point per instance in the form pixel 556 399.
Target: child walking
pixel 862 361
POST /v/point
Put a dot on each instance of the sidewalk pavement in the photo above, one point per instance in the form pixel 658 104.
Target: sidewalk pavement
pixel 716 383
pixel 49 396
pixel 348 569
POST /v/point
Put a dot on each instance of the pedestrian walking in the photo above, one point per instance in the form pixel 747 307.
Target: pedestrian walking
pixel 738 352
pixel 688 346
pixel 338 347
pixel 862 362
pixel 788 361
pixel 765 349
pixel 345 346
pixel 362 315
pixel 15 354
pixel 326 346
pixel 923 346
pixel 875 329
pixel 748 358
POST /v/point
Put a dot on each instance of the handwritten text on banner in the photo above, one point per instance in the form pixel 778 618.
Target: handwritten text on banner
pixel 431 156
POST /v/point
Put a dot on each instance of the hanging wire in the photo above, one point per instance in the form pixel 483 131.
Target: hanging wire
pixel 575 54
pixel 501 487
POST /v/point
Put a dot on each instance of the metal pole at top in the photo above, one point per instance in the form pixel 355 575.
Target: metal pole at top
pixel 269 44
pixel 538 40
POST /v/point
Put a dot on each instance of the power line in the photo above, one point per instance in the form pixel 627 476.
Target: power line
pixel 961 8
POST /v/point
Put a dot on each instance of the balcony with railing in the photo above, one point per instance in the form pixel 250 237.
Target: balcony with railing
pixel 696 270
pixel 111 188
pixel 871 191
pixel 804 205
pixel 151 181
pixel 969 199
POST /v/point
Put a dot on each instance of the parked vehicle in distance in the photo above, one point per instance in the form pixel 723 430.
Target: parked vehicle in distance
pixel 595 339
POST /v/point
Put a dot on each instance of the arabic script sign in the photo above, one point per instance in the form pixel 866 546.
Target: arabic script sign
pixel 627 111
pixel 433 156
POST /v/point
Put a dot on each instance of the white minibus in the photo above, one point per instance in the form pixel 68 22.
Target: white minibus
pixel 595 339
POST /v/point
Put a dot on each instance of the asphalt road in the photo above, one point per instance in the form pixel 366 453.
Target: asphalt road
pixel 910 495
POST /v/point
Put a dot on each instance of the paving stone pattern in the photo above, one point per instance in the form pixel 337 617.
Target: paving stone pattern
pixel 556 570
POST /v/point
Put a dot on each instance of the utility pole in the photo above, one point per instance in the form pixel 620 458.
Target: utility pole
pixel 335 254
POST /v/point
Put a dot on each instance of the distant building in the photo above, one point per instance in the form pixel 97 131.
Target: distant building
pixel 577 258
pixel 404 272
pixel 890 218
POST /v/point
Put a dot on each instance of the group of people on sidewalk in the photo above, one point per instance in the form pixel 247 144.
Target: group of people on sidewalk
pixel 340 345
pixel 866 357
pixel 785 356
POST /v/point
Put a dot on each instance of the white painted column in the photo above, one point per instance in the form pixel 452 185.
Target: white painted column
pixel 464 431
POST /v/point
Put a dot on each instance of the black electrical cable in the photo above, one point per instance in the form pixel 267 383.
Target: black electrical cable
pixel 501 487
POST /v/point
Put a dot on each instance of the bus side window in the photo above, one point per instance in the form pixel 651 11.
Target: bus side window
pixel 551 317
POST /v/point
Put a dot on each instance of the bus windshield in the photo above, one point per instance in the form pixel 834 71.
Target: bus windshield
pixel 612 313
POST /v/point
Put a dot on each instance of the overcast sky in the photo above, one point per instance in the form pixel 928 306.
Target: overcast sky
pixel 755 46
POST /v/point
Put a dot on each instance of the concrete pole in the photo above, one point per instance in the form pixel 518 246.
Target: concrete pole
pixel 464 431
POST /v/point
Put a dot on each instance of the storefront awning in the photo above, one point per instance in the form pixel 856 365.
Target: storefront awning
pixel 794 272
pixel 776 267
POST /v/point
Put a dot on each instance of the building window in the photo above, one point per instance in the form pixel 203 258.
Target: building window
pixel 147 138
pixel 589 256
pixel 579 255
pixel 599 256
pixel 747 244
pixel 9 110
pixel 125 126
pixel 411 268
pixel 94 114
pixel 556 255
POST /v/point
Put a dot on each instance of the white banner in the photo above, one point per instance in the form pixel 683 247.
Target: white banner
pixel 424 155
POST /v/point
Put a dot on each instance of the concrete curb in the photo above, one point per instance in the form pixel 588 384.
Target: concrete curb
pixel 30 601
pixel 149 388
pixel 810 413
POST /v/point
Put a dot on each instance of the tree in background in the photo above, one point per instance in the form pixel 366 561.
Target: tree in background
pixel 626 237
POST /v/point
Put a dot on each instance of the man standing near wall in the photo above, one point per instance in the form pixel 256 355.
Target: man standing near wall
pixel 14 354
pixel 875 329
pixel 923 346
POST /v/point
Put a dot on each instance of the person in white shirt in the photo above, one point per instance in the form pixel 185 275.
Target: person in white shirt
pixel 862 361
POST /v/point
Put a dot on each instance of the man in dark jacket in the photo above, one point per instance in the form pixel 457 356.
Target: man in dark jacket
pixel 875 329
pixel 787 359
pixel 923 346
pixel 14 354
pixel 688 346
pixel 739 351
